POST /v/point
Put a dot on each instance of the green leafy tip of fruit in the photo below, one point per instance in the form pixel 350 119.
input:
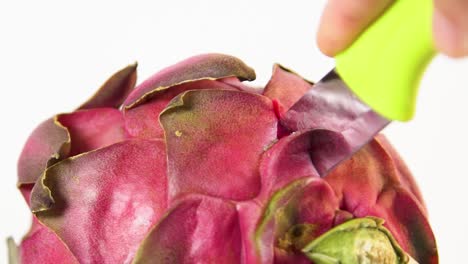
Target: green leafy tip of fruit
pixel 357 241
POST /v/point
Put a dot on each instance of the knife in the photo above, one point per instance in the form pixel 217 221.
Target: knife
pixel 375 80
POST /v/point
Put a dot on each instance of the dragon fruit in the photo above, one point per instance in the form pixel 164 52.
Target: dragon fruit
pixel 194 166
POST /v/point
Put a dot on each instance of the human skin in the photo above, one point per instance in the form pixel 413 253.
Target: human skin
pixel 343 20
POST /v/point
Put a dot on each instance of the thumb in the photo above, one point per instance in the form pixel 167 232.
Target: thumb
pixel 451 27
pixel 343 20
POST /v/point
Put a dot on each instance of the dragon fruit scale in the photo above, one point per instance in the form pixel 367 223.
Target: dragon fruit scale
pixel 194 166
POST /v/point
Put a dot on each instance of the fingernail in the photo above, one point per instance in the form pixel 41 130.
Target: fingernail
pixel 449 37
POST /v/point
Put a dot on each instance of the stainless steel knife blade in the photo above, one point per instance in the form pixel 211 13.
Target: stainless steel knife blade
pixel 346 114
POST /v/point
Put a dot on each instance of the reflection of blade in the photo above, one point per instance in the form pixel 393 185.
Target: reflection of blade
pixel 345 114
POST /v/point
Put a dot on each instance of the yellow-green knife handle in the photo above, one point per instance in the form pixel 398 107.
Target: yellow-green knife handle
pixel 385 64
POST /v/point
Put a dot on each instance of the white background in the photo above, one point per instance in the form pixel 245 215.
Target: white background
pixel 53 55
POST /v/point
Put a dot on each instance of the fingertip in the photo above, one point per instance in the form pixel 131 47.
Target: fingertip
pixel 343 21
pixel 326 44
pixel 450 29
pixel 335 33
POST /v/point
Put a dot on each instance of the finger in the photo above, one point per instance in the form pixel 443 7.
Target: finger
pixel 343 20
pixel 451 27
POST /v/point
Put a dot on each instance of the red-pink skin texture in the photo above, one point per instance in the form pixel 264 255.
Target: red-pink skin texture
pixel 187 167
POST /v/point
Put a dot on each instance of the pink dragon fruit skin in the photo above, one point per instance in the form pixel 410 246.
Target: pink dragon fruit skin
pixel 193 166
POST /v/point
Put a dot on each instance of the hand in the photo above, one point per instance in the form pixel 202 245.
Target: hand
pixel 343 21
